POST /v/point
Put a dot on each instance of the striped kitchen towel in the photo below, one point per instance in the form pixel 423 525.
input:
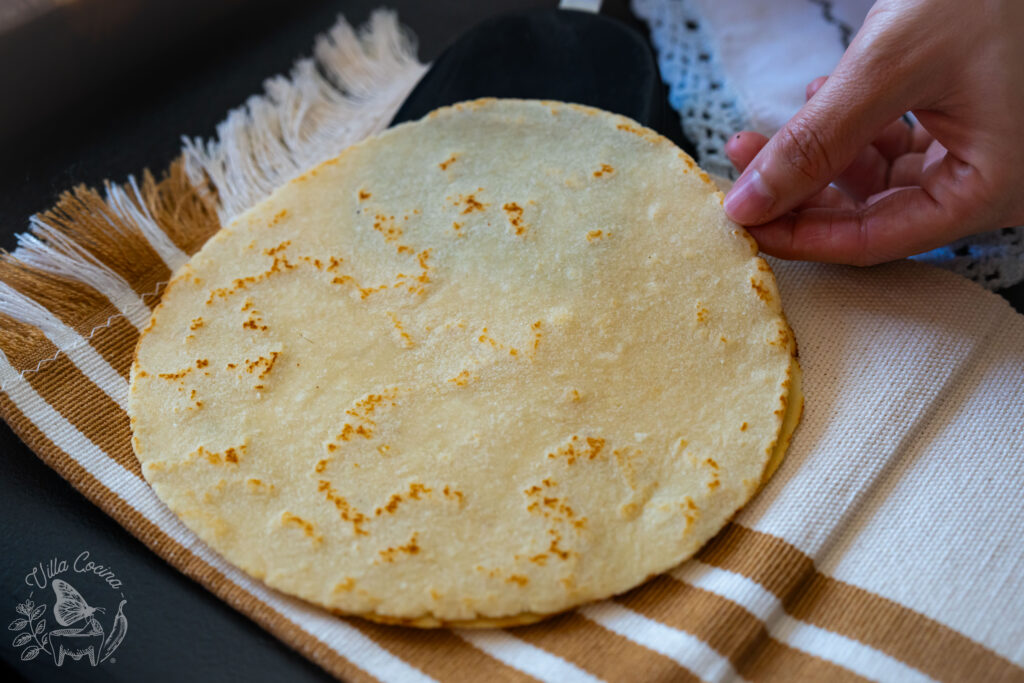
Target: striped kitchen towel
pixel 889 545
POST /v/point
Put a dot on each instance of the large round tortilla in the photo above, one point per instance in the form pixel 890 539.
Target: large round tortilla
pixel 481 368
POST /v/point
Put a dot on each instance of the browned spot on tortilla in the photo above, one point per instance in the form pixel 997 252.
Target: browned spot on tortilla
pixel 308 530
pixel 515 217
pixel 469 202
pixel 762 291
pixel 461 379
pixel 407 340
pixel 347 512
pixel 416 492
pixel 453 494
pixel 230 456
pixel 344 586
pixel 174 376
pixel 579 449
pixel 278 217
pixel 410 548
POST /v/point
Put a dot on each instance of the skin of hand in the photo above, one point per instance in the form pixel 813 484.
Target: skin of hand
pixel 847 180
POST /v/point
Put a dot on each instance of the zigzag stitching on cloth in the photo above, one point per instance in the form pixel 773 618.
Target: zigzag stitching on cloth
pixel 85 338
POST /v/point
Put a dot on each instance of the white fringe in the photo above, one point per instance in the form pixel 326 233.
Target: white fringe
pixel 51 251
pixel 133 211
pixel 350 89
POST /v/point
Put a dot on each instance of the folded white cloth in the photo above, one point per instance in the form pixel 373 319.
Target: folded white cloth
pixel 772 50
pixel 905 476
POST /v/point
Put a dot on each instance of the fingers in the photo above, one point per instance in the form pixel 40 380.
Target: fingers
pixel 843 115
pixel 743 147
pixel 814 86
pixel 894 224
pixel 906 170
pixel 822 234
pixel 829 198
pixel 896 139
pixel 921 139
pixel 812 149
pixel 866 175
pixel 863 178
pixel 863 236
pixel 873 170
pixel 909 169
pixel 933 155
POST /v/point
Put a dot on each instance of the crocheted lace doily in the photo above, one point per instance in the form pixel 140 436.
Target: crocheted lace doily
pixel 711 112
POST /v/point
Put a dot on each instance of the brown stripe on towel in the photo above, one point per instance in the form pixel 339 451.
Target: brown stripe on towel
pixel 88 408
pixel 601 652
pixel 900 632
pixel 24 345
pixel 730 630
pixel 440 653
pixel 78 306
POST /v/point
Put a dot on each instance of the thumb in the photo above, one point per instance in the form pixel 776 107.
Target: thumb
pixel 818 143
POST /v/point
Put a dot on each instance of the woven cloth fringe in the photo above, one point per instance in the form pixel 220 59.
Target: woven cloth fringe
pixel 348 91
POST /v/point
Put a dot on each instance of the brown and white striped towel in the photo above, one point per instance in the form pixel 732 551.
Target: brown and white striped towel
pixel 889 546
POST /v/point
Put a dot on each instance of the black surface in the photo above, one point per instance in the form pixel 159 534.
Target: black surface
pixel 86 45
pixel 568 56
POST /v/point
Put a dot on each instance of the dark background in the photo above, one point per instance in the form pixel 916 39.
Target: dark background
pixel 85 97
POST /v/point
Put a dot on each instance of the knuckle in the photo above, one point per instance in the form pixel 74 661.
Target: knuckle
pixel 804 150
pixel 863 248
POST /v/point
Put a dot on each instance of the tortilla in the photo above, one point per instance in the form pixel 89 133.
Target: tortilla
pixel 479 369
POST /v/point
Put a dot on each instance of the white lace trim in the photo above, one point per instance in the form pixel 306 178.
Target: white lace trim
pixel 995 259
pixel 711 112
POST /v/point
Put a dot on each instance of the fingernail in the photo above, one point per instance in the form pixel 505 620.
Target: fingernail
pixel 749 199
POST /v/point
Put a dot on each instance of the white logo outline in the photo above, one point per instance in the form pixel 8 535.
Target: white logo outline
pixel 82 635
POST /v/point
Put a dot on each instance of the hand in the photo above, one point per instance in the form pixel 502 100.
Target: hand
pixel 898 190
